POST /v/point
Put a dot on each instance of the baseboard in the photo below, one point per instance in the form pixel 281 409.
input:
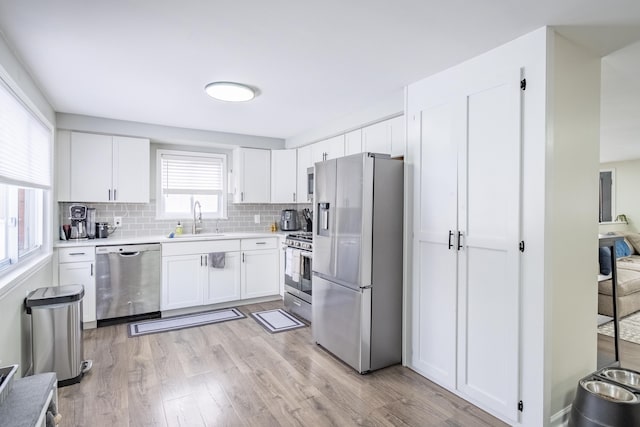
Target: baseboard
pixel 560 418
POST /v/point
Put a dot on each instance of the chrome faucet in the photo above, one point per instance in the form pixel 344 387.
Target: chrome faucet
pixel 196 219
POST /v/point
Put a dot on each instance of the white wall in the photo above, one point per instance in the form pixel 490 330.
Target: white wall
pixel 11 66
pixel 388 106
pixel 572 212
pixel 627 183
pixel 14 332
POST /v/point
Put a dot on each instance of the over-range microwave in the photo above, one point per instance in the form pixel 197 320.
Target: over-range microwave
pixel 310 172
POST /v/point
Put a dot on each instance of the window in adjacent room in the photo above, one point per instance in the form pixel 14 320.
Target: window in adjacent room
pixel 25 179
pixel 184 177
pixel 607 195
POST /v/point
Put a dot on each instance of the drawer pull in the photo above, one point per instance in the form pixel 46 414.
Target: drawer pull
pixel 261 243
pixel 77 253
pixel 297 303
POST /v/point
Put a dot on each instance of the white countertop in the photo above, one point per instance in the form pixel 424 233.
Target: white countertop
pixel 161 239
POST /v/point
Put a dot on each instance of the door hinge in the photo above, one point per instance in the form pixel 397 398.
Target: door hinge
pixel 520 406
pixel 521 246
pixel 523 84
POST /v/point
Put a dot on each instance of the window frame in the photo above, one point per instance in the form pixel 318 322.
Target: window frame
pixel 160 212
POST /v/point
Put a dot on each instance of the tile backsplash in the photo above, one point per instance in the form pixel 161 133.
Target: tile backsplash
pixel 139 219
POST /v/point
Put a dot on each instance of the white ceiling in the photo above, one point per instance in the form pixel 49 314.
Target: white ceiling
pixel 313 62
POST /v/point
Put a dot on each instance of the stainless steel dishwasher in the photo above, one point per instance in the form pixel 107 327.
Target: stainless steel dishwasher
pixel 127 280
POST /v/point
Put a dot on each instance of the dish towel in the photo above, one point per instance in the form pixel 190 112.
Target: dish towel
pixel 288 270
pixel 216 260
pixel 295 276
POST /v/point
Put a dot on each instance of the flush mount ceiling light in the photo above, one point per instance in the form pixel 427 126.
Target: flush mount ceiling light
pixel 230 91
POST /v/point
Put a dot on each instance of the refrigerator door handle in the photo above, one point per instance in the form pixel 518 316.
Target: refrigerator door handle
pixel 450 236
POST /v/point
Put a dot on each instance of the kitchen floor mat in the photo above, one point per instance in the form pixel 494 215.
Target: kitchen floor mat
pixel 277 320
pixel 181 322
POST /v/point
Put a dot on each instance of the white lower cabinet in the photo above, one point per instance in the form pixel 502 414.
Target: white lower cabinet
pixel 260 273
pixel 182 281
pixel 223 284
pixel 76 267
pixel 189 279
pixel 260 267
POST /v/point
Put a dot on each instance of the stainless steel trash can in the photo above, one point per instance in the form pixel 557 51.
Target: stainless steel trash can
pixel 56 331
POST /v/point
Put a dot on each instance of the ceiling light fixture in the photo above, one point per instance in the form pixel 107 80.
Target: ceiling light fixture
pixel 230 91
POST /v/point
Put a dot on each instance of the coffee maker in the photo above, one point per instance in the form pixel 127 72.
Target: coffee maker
pixel 78 217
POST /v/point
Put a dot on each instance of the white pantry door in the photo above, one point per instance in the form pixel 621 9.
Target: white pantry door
pixel 488 262
pixel 435 253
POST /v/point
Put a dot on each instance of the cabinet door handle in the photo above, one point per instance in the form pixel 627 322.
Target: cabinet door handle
pixel 459 240
pixel 294 197
pixel 200 260
pixel 206 260
pixel 242 256
pixel 91 269
pixel 450 236
pixel 242 196
pixel 114 195
pixel 109 194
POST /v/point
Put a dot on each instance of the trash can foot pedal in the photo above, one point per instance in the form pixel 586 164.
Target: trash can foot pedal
pixel 86 366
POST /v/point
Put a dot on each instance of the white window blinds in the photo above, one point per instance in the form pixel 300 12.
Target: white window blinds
pixel 197 174
pixel 25 144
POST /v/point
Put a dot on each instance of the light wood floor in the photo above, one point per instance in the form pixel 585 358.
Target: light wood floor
pixel 629 353
pixel 237 374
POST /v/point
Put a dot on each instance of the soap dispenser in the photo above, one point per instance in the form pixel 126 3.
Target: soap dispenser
pixel 179 228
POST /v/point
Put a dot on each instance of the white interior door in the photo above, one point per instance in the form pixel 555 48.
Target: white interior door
pixel 434 295
pixel 489 218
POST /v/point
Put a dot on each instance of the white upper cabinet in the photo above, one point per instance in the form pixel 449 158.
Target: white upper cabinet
pixel 398 140
pixel 376 138
pixel 353 142
pixel 130 169
pixel 304 163
pixel 283 176
pixel 386 137
pixel 251 175
pixel 106 168
pixel 331 148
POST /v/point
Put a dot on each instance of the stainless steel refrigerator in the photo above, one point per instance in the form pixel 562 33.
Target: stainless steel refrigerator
pixel 357 260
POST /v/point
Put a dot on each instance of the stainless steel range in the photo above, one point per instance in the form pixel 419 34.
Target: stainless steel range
pixel 297 274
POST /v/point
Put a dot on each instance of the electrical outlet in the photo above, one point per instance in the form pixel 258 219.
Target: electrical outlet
pixel 256 219
pixel 117 221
